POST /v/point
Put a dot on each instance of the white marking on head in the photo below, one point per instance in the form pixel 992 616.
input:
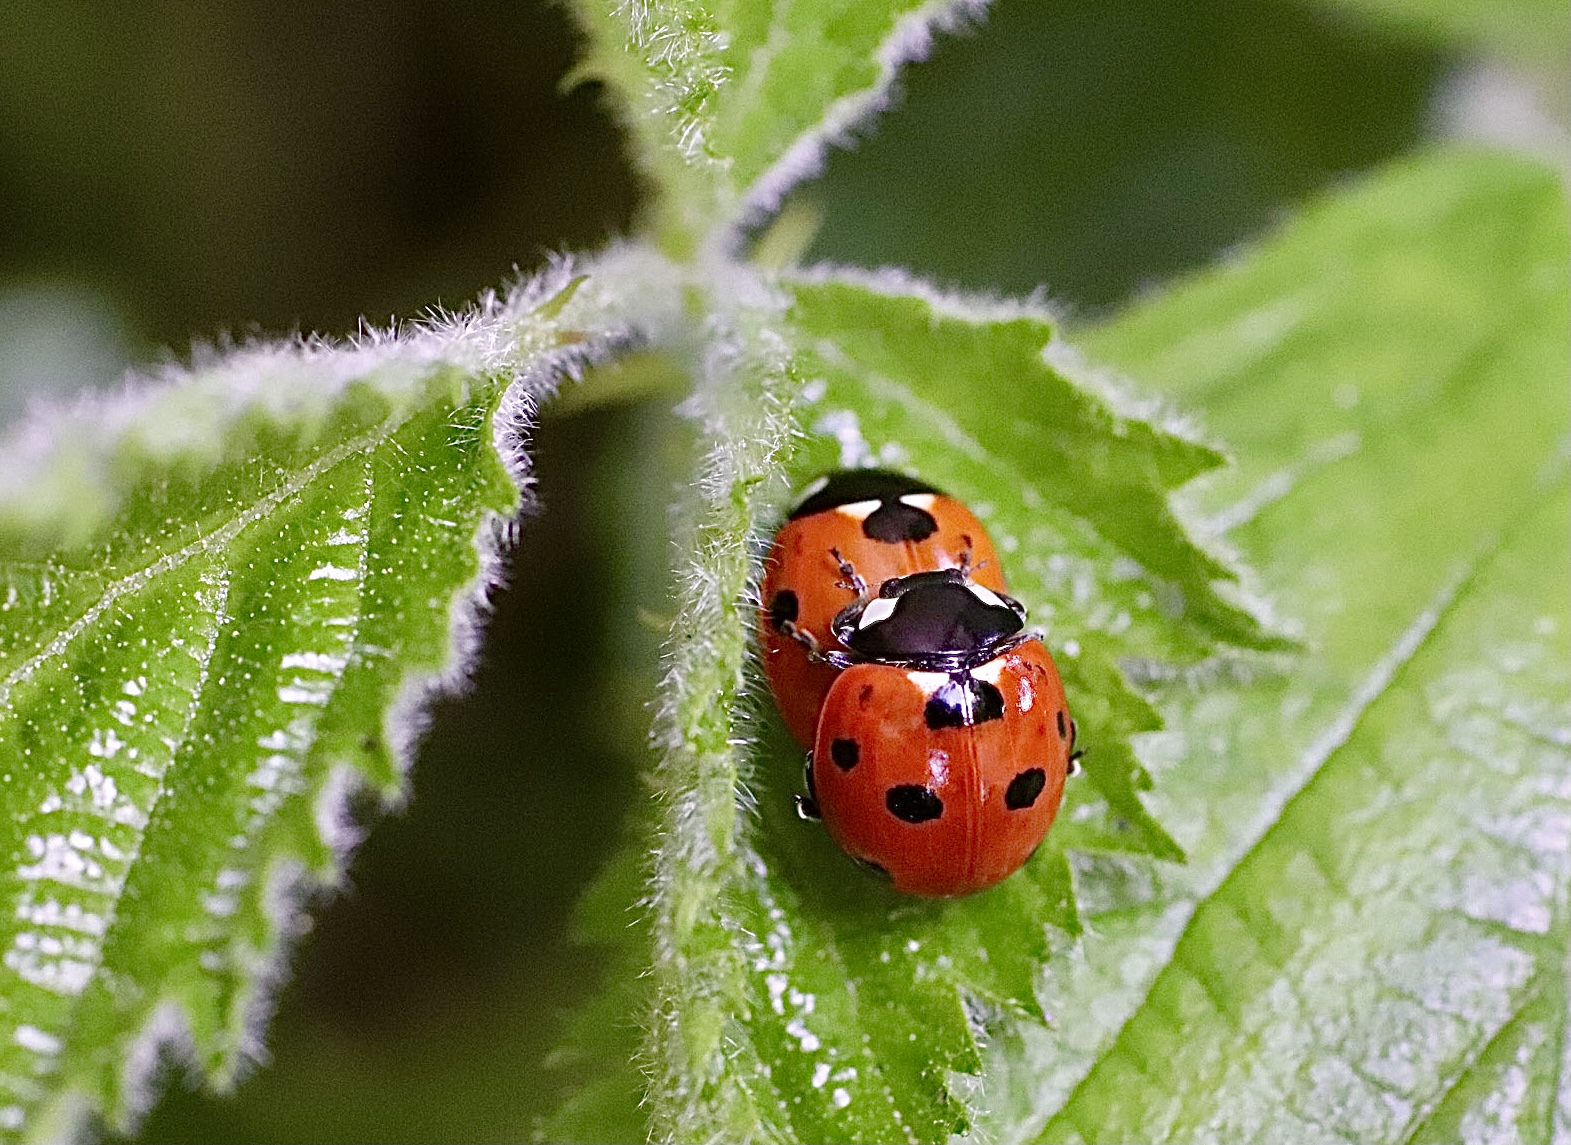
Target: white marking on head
pixel 880 609
pixel 987 596
pixel 922 501
pixel 858 510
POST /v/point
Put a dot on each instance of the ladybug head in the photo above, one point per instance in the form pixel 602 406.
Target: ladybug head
pixel 853 486
pixel 937 620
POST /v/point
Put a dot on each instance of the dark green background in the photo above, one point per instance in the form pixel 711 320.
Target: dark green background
pixel 238 168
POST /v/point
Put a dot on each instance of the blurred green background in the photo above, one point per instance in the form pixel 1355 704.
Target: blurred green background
pixel 176 170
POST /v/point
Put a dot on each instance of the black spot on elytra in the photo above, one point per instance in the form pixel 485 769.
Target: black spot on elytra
pixel 864 698
pixel 845 753
pixel 1063 725
pixel 783 608
pixel 962 702
pixel 1024 789
pixel 894 522
pixel 913 804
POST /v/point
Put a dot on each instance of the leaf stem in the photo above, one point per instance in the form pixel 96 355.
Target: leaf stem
pixel 701 995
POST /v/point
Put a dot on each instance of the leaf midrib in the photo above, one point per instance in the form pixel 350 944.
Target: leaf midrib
pixel 220 618
pixel 205 542
pixel 1374 685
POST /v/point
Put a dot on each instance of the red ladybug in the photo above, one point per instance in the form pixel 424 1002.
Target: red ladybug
pixel 853 528
pixel 944 743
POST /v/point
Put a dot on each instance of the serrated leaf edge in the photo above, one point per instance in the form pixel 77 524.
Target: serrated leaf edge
pixel 490 340
pixel 910 41
pixel 1374 684
pixel 699 974
pixel 978 308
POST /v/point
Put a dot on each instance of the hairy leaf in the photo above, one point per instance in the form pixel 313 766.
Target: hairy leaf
pixel 224 598
pixel 796 997
pixel 1070 473
pixel 698 1047
pixel 734 102
pixel 1370 939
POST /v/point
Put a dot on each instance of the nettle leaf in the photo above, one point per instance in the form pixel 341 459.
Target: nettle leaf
pixel 225 598
pixel 1071 473
pixel 797 998
pixel 747 95
pixel 1370 940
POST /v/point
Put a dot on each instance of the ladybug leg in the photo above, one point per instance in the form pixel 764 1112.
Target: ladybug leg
pixel 789 629
pixel 853 579
pixel 815 650
pixel 807 805
pixel 1074 755
pixel 873 868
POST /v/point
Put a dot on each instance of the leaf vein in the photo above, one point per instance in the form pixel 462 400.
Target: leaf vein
pixel 1534 991
pixel 221 535
pixel 219 619
pixel 1311 761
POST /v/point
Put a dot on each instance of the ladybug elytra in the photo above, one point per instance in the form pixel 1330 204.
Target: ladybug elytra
pixel 883 525
pixel 941 738
pixel 941 755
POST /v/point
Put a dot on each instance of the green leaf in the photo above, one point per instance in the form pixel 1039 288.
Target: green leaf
pixel 1530 31
pixel 733 103
pixel 1371 938
pixel 700 973
pixel 1070 472
pixel 225 599
pixel 796 998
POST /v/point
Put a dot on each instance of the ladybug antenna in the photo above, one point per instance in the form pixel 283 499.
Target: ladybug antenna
pixel 966 567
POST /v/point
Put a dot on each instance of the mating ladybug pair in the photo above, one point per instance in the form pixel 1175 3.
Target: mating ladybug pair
pixel 939 733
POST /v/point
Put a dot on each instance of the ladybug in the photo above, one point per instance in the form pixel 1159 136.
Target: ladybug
pixel 944 743
pixel 852 528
